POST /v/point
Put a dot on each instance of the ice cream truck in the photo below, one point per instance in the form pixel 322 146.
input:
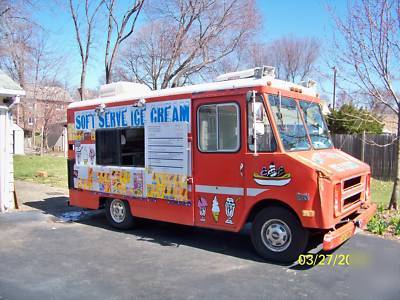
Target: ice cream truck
pixel 247 148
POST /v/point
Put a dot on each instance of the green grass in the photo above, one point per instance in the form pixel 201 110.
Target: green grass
pixel 27 166
pixel 381 191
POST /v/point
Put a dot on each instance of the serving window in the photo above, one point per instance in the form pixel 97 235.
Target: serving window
pixel 120 147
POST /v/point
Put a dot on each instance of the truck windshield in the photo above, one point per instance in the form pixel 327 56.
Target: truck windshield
pixel 288 120
pixel 316 125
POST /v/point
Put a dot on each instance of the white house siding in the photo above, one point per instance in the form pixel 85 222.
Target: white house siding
pixel 11 91
pixel 5 156
pixel 11 159
pixel 17 140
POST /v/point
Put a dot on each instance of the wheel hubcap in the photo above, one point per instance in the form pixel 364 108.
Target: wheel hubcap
pixel 117 210
pixel 276 235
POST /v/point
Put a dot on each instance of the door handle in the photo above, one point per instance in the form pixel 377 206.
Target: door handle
pixel 241 169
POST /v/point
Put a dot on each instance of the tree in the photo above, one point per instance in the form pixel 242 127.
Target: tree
pixel 123 29
pixel 84 32
pixel 186 38
pixel 369 55
pixel 352 120
pixel 294 58
pixel 17 33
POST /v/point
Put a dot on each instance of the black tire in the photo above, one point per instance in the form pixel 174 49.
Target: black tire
pixel 269 229
pixel 118 214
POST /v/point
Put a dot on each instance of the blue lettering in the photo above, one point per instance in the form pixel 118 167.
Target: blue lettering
pixel 175 116
pixel 101 121
pixel 166 114
pixel 107 120
pixel 90 120
pixel 124 123
pixel 142 116
pixel 184 113
pixel 160 114
pixel 153 115
pixel 77 122
pixel 137 118
pixel 118 118
pixel 112 119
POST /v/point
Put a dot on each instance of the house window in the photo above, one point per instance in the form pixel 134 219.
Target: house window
pixel 120 147
pixel 30 121
pixel 218 127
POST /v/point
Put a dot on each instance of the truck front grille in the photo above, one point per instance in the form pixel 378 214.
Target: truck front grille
pixel 349 183
pixel 352 192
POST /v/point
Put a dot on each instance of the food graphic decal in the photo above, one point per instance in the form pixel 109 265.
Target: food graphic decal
pixel 202 204
pixel 272 176
pixel 215 209
pixel 167 186
pixel 229 210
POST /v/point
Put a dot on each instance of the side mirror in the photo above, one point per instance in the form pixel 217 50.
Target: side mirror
pixel 249 96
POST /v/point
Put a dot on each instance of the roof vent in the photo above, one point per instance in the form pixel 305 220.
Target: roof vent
pixel 256 73
pixel 122 87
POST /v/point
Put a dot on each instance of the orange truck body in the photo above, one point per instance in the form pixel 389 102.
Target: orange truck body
pixel 328 190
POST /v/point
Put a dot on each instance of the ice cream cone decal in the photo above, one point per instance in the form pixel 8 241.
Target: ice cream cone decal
pixel 215 209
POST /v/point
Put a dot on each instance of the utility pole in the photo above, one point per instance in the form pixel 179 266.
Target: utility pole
pixel 334 87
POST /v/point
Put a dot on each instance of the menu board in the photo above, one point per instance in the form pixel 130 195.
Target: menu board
pixel 167 157
pixel 167 148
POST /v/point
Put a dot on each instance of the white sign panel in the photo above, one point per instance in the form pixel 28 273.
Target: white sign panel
pixel 167 148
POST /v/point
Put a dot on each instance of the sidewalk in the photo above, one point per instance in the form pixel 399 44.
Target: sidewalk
pixel 49 200
pixel 33 196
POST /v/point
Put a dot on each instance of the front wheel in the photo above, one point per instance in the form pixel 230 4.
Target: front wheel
pixel 278 235
pixel 118 214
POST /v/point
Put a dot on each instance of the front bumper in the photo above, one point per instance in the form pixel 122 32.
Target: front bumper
pixel 338 236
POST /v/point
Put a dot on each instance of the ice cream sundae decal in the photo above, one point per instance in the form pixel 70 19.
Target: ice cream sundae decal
pixel 229 210
pixel 215 209
pixel 202 204
pixel 272 176
pixel 92 156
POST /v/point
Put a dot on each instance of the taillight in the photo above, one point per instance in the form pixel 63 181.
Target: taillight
pixel 367 187
pixel 337 197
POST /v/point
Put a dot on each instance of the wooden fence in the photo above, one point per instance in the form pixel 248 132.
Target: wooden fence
pixel 381 159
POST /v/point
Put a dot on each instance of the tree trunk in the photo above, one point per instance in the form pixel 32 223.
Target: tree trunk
pixel 41 142
pixel 396 186
pixel 108 75
pixel 83 79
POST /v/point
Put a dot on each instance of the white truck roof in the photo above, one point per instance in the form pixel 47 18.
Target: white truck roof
pixel 143 93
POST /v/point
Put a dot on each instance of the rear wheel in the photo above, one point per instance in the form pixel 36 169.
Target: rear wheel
pixel 118 214
pixel 278 235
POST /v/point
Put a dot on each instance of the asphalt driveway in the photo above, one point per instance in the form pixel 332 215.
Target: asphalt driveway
pixel 44 258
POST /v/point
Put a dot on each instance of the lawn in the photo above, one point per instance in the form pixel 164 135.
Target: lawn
pixel 381 191
pixel 27 166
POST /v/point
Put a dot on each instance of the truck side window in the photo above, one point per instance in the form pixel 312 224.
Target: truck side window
pixel 120 147
pixel 218 127
pixel 265 137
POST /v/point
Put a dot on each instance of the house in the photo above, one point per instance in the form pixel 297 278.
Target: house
pixel 387 116
pixel 39 110
pixel 9 97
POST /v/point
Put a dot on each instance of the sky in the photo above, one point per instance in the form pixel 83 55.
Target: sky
pixel 307 18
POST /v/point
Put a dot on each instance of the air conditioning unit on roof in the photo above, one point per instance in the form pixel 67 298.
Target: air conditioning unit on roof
pixel 122 87
pixel 256 73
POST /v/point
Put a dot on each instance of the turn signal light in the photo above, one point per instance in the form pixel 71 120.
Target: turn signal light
pixel 337 197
